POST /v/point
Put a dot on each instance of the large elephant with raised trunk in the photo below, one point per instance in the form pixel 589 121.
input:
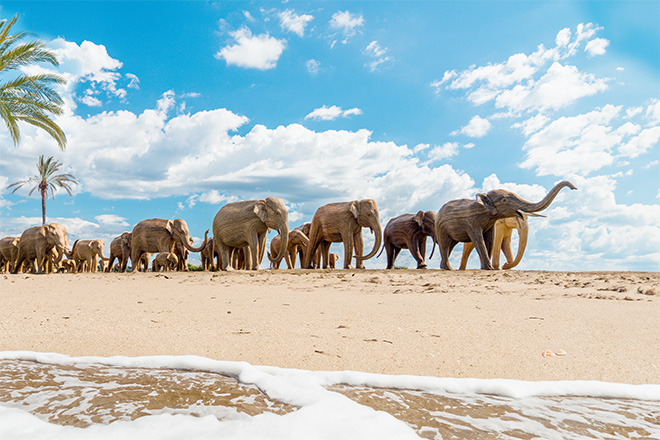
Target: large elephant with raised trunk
pixel 343 222
pixel 502 241
pixel 409 231
pixel 467 220
pixel 36 243
pixel 159 235
pixel 245 224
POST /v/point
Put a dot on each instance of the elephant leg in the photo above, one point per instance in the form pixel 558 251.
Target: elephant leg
pixel 359 249
pixel 417 254
pixel 314 242
pixel 348 251
pixel 483 243
pixel 292 256
pixel 446 244
pixel 389 249
pixel 395 253
pixel 225 261
pixel 504 243
pixel 323 254
pixel 467 250
pixel 254 242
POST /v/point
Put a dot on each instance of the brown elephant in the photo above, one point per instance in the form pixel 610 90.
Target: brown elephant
pixel 332 260
pixel 36 242
pixel 297 241
pixel 503 230
pixel 166 261
pixel 120 249
pixel 467 220
pixel 409 231
pixel 88 254
pixel 343 222
pixel 208 255
pixel 245 224
pixel 8 253
pixel 69 266
pixel 182 256
pixel 160 235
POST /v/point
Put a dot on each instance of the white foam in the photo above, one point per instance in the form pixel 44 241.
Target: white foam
pixel 322 415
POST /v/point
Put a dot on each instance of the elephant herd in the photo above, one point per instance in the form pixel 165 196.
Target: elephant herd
pixel 239 237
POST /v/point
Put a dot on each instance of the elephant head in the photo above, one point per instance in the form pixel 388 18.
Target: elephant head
pixel 179 230
pixel 273 213
pixel 56 236
pixel 426 222
pixel 502 203
pixel 366 215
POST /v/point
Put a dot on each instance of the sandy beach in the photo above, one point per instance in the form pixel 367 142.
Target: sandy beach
pixel 471 324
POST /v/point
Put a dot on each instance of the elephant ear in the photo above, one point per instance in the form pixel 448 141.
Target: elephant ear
pixel 485 201
pixel 260 210
pixel 419 218
pixel 354 209
pixel 169 225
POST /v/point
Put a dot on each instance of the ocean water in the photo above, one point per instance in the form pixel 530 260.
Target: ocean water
pixel 52 396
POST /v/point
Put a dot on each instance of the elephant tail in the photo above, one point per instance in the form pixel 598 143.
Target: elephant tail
pixel 432 250
pixel 271 259
pixel 381 251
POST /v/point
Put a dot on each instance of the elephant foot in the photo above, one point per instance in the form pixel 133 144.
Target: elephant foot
pixel 229 269
pixel 421 266
pixel 348 266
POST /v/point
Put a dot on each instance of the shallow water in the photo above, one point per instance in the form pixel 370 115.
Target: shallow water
pixel 241 401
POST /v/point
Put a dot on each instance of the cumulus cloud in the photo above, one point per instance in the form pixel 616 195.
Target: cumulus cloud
pixel 111 220
pixel 596 46
pixel 477 127
pixel 331 113
pixel 347 23
pixel 252 51
pixel 292 22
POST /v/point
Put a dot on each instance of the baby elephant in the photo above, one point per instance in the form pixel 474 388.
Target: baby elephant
pixel 166 261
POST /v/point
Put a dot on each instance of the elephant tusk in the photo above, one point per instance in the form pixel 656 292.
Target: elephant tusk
pixel 534 214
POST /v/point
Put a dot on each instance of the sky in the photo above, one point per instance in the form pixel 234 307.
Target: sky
pixel 173 109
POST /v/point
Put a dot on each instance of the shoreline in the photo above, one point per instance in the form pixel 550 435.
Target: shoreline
pixel 459 324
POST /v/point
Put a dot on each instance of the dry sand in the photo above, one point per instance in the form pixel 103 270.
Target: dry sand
pixel 447 324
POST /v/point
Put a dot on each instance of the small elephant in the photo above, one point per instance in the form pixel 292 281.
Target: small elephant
pixel 166 261
pixel 502 241
pixel 36 242
pixel 467 220
pixel 208 255
pixel 69 266
pixel 297 240
pixel 245 224
pixel 88 254
pixel 332 260
pixel 120 249
pixel 8 253
pixel 343 222
pixel 409 231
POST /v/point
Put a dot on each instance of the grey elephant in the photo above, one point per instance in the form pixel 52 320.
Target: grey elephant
pixel 343 222
pixel 409 231
pixel 35 244
pixel 8 253
pixel 467 220
pixel 166 261
pixel 160 235
pixel 88 254
pixel 120 249
pixel 245 224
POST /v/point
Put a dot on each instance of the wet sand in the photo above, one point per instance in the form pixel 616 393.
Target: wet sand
pixel 445 324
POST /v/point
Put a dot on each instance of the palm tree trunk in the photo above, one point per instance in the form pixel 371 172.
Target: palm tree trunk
pixel 43 206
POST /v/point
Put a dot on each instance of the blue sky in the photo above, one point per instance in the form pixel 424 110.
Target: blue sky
pixel 175 108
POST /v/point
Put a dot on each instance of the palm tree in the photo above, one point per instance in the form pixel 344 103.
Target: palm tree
pixel 45 180
pixel 28 98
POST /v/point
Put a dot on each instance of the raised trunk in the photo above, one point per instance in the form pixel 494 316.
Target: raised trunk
pixel 196 249
pixel 284 243
pixel 379 239
pixel 523 232
pixel 540 206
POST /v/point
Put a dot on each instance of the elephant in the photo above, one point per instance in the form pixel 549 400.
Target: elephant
pixel 409 231
pixel 502 241
pixel 343 222
pixel 332 260
pixel 182 256
pixel 245 224
pixel 166 261
pixel 36 242
pixel 8 253
pixel 297 240
pixel 160 235
pixel 69 266
pixel 88 254
pixel 467 220
pixel 208 255
pixel 120 249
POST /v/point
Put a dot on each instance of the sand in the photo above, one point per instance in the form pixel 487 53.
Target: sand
pixel 474 323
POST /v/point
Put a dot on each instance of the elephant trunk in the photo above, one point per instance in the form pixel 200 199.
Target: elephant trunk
pixel 379 240
pixel 196 249
pixel 69 254
pixel 543 204
pixel 284 234
pixel 523 233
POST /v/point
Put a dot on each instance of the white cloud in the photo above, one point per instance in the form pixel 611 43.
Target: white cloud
pixel 641 143
pixel 292 22
pixel 653 111
pixel 331 113
pixel 135 81
pixel 215 198
pixel 377 54
pixel 313 66
pixel 111 220
pixel 347 23
pixel 477 127
pixel 596 46
pixel 254 52
pixel 444 151
pixel 91 101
